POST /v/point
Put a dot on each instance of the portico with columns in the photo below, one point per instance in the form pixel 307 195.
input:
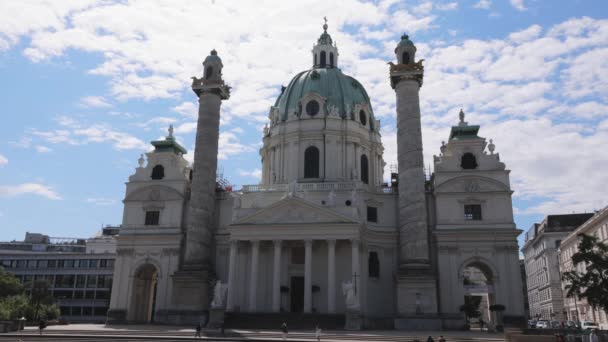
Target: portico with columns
pixel 270 251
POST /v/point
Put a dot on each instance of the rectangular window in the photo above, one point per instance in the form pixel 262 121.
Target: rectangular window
pixel 472 212
pixel 89 294
pixel 557 243
pixel 152 217
pixel 21 263
pixel 81 281
pixel 102 295
pixel 100 311
pixel 93 263
pixel 103 263
pixel 78 294
pixel 60 263
pixel 92 281
pixel 43 263
pixel 372 214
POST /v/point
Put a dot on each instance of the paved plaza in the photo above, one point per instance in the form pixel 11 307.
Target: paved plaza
pixel 100 332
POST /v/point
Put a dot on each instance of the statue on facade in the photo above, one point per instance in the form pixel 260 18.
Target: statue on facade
pixel 219 293
pixel 350 295
pixel 331 198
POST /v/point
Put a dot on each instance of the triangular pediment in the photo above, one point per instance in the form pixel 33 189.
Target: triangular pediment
pixel 294 210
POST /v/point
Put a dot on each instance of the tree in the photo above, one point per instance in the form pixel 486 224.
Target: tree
pixel 470 308
pixel 498 309
pixel 9 285
pixel 592 283
pixel 40 296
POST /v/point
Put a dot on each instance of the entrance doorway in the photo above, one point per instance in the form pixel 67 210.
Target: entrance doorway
pixel 478 281
pixel 297 294
pixel 144 294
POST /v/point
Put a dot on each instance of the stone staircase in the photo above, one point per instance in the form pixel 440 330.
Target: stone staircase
pixel 273 321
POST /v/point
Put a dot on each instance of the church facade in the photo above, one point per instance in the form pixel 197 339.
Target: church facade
pixel 322 234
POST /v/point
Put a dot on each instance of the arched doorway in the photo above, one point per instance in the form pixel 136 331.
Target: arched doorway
pixel 478 282
pixel 144 293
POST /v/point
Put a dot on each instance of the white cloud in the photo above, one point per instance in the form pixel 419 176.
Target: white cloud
pixel 518 4
pixel 187 109
pixel 101 201
pixel 29 188
pixel 530 33
pixel 3 160
pixel 94 102
pixel 42 149
pixel 448 6
pixel 256 173
pixel 483 4
pixel 76 133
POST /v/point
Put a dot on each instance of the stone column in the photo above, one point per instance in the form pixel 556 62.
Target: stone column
pixel 414 249
pixel 331 276
pixel 202 198
pixel 232 276
pixel 253 279
pixel 416 282
pixel 276 277
pixel 308 276
pixel 356 266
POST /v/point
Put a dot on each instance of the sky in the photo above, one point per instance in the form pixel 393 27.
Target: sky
pixel 86 85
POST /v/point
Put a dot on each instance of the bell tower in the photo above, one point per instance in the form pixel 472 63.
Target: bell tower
pixel 191 292
pixel 416 288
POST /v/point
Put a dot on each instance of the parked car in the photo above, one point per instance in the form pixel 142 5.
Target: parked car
pixel 589 325
pixel 542 324
pixel 555 324
pixel 571 325
pixel 532 324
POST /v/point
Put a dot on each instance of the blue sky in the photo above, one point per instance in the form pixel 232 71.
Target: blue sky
pixel 87 84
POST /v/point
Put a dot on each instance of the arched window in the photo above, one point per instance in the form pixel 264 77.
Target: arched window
pixel 405 58
pixel 364 169
pixel 311 162
pixel 158 172
pixel 323 59
pixel 331 59
pixel 373 265
pixel 362 117
pixel 208 72
pixel 468 161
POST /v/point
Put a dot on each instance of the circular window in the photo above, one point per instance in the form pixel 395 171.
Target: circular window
pixel 348 203
pixel 362 117
pixel 312 108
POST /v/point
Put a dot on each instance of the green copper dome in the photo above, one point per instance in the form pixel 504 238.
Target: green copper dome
pixel 341 91
pixel 405 41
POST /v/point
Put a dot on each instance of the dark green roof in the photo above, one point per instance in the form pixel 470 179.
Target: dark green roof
pixel 464 132
pixel 340 90
pixel 168 145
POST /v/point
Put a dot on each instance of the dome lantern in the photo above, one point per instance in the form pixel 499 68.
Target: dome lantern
pixel 406 51
pixel 325 51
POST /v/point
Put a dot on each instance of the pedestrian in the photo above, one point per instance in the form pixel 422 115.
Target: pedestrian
pixel 593 336
pixel 284 330
pixel 430 339
pixel 41 325
pixel 199 327
pixel 481 324
pixel 318 332
pixel 441 339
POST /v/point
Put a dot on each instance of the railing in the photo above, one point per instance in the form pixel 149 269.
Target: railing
pixel 329 186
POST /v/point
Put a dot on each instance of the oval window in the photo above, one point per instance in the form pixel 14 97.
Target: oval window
pixel 362 117
pixel 312 108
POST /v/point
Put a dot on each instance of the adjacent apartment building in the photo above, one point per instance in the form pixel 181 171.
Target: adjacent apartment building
pixel 79 271
pixel 574 308
pixel 543 278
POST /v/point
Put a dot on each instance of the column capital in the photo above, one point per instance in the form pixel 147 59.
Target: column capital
pixel 277 242
pixel 331 242
pixel 255 242
pixel 308 242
